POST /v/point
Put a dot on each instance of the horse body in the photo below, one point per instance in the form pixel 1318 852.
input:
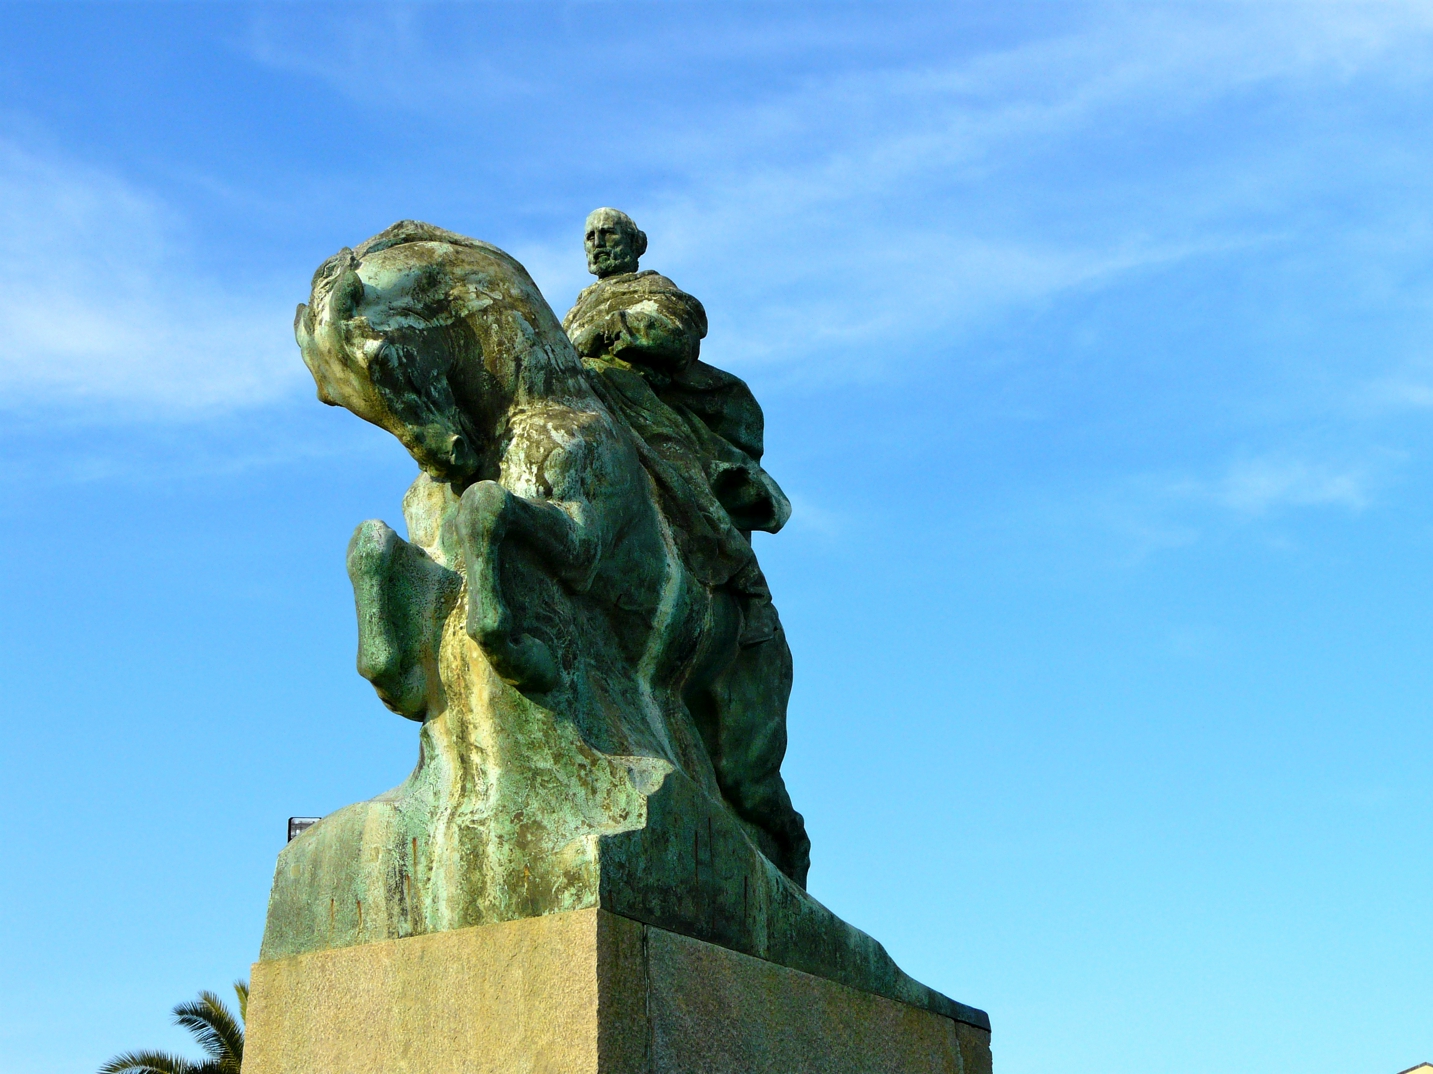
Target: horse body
pixel 447 343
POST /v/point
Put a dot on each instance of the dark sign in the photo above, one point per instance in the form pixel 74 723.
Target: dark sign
pixel 301 824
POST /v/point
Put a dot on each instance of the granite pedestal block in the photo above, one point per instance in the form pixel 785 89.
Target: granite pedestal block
pixel 586 992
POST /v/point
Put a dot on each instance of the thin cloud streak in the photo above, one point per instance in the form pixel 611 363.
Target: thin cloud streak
pixel 1258 486
pixel 1132 521
pixel 104 307
pixel 834 227
pixel 897 205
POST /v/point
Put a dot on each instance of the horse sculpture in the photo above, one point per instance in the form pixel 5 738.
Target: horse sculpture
pixel 562 620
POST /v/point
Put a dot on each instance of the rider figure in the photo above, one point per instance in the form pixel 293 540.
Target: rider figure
pixel 702 428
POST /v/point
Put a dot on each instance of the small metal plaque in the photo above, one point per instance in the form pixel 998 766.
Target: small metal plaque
pixel 301 824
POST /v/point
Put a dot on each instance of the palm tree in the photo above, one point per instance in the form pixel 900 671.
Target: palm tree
pixel 218 1032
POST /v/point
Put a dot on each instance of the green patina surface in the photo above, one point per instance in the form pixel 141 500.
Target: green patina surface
pixel 576 618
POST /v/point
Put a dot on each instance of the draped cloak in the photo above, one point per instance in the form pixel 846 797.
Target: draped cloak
pixel 699 429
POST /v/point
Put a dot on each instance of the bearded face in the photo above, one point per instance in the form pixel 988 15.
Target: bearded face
pixel 611 249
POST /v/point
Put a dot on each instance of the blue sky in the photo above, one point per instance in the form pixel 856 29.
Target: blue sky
pixel 1094 343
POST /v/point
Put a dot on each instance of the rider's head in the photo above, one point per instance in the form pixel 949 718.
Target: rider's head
pixel 613 243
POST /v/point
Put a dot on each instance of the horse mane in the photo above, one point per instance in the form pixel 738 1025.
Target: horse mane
pixel 406 231
pixel 548 368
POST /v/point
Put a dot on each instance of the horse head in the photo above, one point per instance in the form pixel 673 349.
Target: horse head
pixel 434 337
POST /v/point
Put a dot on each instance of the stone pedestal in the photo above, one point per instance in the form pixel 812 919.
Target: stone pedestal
pixel 586 991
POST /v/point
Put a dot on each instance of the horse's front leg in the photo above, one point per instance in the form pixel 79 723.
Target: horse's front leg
pixel 402 598
pixel 488 516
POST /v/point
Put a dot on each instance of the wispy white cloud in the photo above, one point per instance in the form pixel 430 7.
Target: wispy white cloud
pixel 889 205
pixel 1250 489
pixel 1258 486
pixel 848 216
pixel 854 217
pixel 103 304
pixel 1135 519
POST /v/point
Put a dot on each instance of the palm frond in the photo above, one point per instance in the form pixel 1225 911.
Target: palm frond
pixel 214 1028
pixel 149 1063
pixel 241 989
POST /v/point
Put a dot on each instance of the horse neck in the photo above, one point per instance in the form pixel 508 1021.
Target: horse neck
pixel 553 375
